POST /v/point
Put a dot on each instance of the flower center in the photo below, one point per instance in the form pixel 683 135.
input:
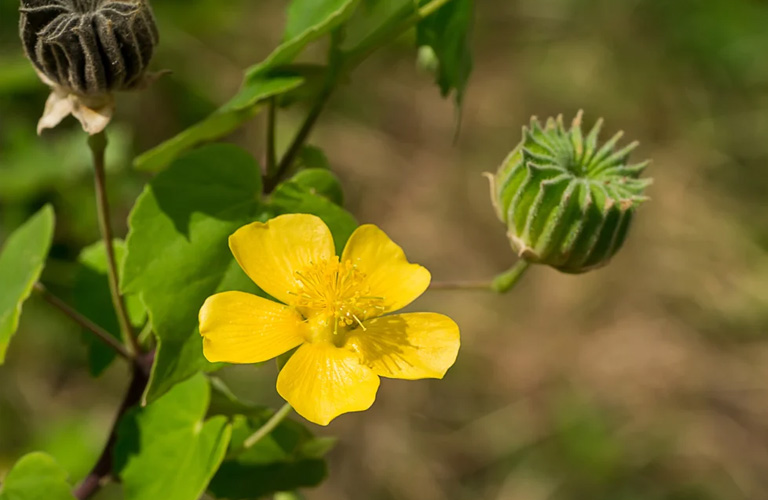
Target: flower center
pixel 334 297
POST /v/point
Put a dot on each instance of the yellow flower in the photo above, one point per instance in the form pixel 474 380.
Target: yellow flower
pixel 334 309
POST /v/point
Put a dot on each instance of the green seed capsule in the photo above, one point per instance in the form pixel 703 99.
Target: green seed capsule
pixel 567 202
pixel 89 47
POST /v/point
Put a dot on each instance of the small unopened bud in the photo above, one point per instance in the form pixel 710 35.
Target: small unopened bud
pixel 567 202
pixel 87 49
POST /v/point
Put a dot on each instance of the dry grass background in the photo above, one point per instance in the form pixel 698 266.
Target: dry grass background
pixel 646 379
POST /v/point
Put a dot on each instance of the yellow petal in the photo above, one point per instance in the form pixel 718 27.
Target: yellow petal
pixel 271 253
pixel 322 381
pixel 408 346
pixel 239 327
pixel 388 274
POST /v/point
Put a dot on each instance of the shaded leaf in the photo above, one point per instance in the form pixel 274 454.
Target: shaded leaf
pixel 92 298
pixel 21 262
pixel 36 476
pixel 321 182
pixel 372 15
pixel 288 458
pixel 293 197
pixel 166 450
pixel 447 32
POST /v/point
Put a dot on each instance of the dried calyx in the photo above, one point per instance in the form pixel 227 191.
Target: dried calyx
pixel 85 50
pixel 567 202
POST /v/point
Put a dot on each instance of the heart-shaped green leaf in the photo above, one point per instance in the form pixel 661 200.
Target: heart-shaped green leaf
pixel 178 253
pixel 166 450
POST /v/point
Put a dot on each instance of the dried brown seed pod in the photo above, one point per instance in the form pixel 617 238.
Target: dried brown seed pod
pixel 89 47
pixel 86 49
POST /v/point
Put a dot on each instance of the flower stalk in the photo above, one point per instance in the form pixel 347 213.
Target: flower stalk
pixel 267 428
pixel 98 145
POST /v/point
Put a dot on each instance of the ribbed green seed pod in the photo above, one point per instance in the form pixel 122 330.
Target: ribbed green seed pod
pixel 567 202
pixel 89 47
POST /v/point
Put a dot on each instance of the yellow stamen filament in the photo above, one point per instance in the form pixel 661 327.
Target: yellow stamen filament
pixel 335 294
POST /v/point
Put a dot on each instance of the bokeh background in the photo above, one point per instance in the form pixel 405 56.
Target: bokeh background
pixel 644 380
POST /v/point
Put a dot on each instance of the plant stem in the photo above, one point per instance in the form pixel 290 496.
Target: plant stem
pixel 81 320
pixel 271 152
pixel 340 65
pixel 461 285
pixel 268 427
pixel 103 468
pixel 502 283
pixel 508 279
pixel 98 145
pixel 298 142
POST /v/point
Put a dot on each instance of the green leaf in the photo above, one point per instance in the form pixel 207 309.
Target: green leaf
pixel 308 20
pixel 166 450
pixel 21 262
pixel 293 197
pixel 92 298
pixel 178 253
pixel 447 32
pixel 36 476
pixel 288 458
pixel 241 108
pixel 321 182
pixel 312 157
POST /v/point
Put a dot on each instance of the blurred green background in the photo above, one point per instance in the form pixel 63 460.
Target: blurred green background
pixel 644 380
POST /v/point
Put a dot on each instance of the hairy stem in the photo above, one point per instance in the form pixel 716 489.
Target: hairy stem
pixel 508 279
pixel 98 145
pixel 265 429
pixel 81 320
pixel 462 285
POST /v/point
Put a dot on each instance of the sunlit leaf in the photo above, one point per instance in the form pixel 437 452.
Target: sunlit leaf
pixel 21 262
pixel 36 476
pixel 167 450
pixel 308 20
pixel 178 253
